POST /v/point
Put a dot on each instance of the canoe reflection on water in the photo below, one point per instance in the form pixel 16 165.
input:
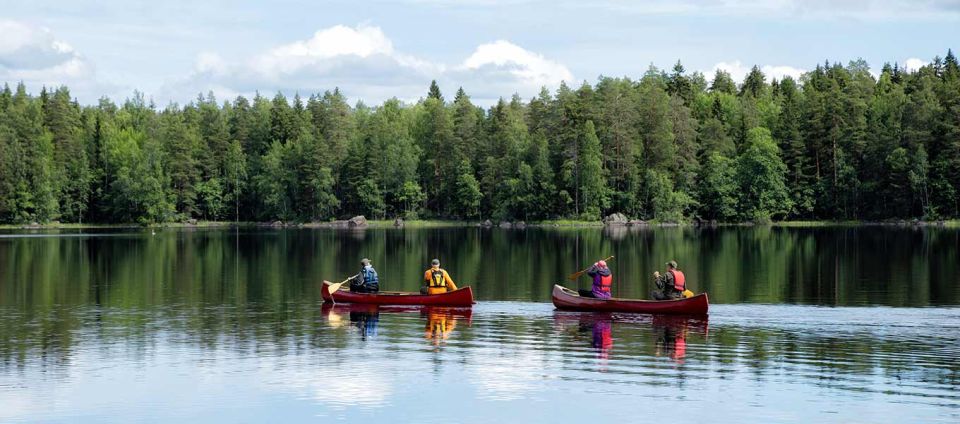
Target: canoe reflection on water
pixel 670 332
pixel 439 321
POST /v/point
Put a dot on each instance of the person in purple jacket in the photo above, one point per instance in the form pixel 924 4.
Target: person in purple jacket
pixel 602 280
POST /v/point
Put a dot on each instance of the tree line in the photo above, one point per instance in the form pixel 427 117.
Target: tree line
pixel 836 144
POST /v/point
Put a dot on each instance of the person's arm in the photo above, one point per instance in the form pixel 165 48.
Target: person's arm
pixel 668 281
pixel 592 270
pixel 426 278
pixel 450 285
pixel 357 279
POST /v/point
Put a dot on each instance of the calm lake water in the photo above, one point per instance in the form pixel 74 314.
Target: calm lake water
pixel 806 325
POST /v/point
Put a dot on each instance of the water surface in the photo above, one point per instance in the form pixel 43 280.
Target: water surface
pixel 807 325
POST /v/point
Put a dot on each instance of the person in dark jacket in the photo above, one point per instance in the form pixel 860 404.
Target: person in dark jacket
pixel 602 280
pixel 670 285
pixel 367 280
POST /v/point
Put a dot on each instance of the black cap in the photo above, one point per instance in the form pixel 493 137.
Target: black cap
pixel 435 262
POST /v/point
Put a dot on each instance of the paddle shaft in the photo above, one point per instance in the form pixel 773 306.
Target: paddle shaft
pixel 574 276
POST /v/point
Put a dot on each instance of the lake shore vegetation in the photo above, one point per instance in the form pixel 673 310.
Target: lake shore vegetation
pixel 840 144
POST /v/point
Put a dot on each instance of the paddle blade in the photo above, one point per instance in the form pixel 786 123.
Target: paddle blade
pixel 331 289
pixel 575 275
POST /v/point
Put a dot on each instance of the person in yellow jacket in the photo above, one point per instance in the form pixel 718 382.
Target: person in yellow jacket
pixel 437 279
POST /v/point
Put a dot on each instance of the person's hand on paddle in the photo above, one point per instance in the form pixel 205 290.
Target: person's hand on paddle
pixel 656 274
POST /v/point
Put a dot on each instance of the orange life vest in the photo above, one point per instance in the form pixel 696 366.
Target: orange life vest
pixel 679 281
pixel 605 282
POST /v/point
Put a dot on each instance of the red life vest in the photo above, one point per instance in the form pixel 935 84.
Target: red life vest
pixel 679 281
pixel 605 282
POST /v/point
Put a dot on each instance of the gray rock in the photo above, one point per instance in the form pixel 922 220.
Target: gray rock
pixel 637 223
pixel 357 221
pixel 487 223
pixel 398 222
pixel 615 219
pixel 505 224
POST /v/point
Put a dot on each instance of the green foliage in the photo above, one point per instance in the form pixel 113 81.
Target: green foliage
pixel 592 182
pixel 842 144
pixel 666 203
pixel 760 172
pixel 468 192
pixel 135 183
pixel 718 188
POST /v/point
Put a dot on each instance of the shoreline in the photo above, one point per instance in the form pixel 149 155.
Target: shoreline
pixel 505 224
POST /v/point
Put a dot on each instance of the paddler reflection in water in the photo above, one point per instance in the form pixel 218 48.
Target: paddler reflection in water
pixel 602 338
pixel 602 280
pixel 671 335
pixel 437 280
pixel 670 285
pixel 367 280
pixel 440 323
pixel 366 321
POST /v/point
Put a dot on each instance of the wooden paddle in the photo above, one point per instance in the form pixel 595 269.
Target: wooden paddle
pixel 336 286
pixel 575 275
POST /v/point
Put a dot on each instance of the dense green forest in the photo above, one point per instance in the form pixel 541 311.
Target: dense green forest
pixel 671 146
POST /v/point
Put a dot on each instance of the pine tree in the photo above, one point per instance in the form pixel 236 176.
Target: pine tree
pixel 684 127
pixel 723 83
pixel 680 85
pixel 70 164
pixel 619 135
pixel 592 189
pixel 434 134
pixel 754 84
pixel 760 172
pixel 181 144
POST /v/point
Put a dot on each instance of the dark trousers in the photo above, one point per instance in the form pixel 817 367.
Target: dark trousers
pixel 364 288
pixel 664 295
pixel 585 293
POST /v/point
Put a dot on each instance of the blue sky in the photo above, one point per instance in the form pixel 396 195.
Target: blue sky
pixel 373 50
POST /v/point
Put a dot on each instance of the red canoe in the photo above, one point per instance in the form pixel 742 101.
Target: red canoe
pixel 459 297
pixel 564 298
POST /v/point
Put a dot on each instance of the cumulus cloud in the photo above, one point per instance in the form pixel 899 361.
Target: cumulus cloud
pixel 738 71
pixel 364 64
pixel 501 68
pixel 913 64
pixel 35 56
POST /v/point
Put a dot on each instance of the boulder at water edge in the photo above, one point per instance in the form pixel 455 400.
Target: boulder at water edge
pixel 615 219
pixel 357 221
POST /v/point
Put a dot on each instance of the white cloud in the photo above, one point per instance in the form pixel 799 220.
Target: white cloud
pixel 338 41
pixel 33 55
pixel 530 68
pixel 738 71
pixel 913 64
pixel 364 64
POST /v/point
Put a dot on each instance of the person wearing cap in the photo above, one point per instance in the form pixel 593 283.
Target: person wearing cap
pixel 602 280
pixel 437 279
pixel 367 281
pixel 670 285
